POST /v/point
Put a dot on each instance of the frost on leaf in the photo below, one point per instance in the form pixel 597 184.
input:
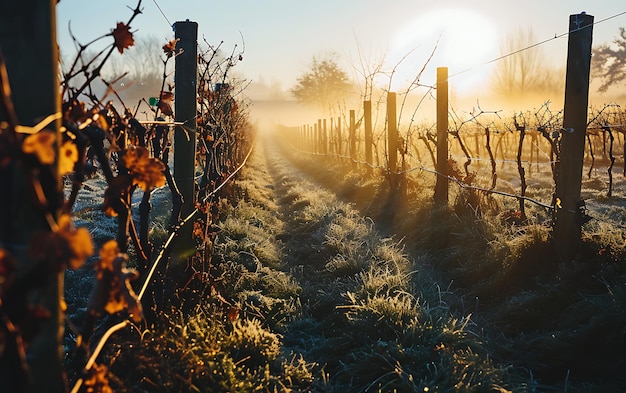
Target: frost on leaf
pixel 42 145
pixel 147 172
pixel 113 292
pixel 123 37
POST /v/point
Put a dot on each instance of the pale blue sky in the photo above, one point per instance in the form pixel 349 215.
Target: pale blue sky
pixel 281 36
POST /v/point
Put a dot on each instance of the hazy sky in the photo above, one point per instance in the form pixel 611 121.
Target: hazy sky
pixel 281 36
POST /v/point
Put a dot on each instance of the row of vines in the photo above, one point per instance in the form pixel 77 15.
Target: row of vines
pixel 131 148
pixel 487 151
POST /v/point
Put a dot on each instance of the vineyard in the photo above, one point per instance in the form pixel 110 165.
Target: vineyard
pixel 170 246
pixel 487 155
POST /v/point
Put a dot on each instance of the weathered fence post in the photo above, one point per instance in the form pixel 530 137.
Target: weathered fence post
pixel 320 136
pixel 185 136
pixel 352 137
pixel 28 42
pixel 569 214
pixel 367 123
pixel 339 147
pixel 392 138
pixel 331 137
pixel 441 186
pixel 325 138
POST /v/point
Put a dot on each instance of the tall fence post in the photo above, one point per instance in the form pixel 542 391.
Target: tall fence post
pixel 569 214
pixel 392 138
pixel 441 185
pixel 28 43
pixel 317 130
pixel 352 137
pixel 331 131
pixel 325 139
pixel 339 144
pixel 185 137
pixel 367 124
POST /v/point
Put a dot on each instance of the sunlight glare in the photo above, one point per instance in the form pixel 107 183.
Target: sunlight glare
pixel 467 40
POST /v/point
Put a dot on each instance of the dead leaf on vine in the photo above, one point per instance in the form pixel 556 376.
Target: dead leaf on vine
pixel 198 232
pixel 78 241
pixel 165 103
pixel 147 172
pixel 170 48
pixel 165 108
pixel 74 112
pixel 108 252
pixel 66 247
pixel 41 145
pixel 123 37
pixel 97 380
pixel 114 195
pixel 113 292
pixel 68 155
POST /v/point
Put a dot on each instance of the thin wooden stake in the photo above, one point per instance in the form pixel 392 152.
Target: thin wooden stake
pixel 441 186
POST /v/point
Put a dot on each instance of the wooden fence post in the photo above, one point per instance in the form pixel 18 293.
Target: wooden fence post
pixel 569 215
pixel 352 137
pixel 316 129
pixel 367 123
pixel 339 147
pixel 28 42
pixel 441 186
pixel 392 138
pixel 325 139
pixel 185 137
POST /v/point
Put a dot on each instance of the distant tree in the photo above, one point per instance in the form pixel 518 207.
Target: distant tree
pixel 524 71
pixel 609 61
pixel 144 68
pixel 323 84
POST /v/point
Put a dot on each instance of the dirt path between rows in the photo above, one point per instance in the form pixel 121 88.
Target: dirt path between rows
pixel 331 247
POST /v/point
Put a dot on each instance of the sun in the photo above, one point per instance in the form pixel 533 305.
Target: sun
pixel 465 41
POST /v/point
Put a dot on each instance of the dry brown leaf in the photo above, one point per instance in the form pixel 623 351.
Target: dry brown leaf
pixel 147 172
pixel 123 37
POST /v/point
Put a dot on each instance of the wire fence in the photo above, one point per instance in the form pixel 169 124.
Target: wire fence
pixel 516 158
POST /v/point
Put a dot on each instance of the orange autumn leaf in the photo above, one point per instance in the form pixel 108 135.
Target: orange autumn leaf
pixel 68 155
pixel 115 193
pixel 65 247
pixel 41 145
pixel 167 96
pixel 108 252
pixel 78 240
pixel 123 37
pixel 165 103
pixel 170 48
pixel 147 172
pixel 165 108
pixel 113 292
pixel 97 380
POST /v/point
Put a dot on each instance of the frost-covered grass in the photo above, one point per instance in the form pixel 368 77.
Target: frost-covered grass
pixel 361 289
pixel 559 326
